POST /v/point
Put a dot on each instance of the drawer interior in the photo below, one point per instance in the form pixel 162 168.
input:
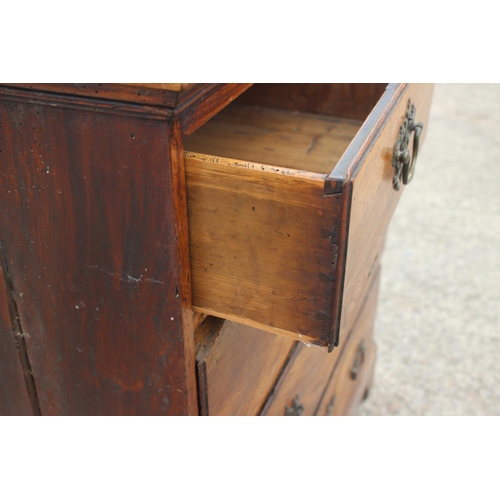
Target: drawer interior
pixel 304 127
pixel 269 190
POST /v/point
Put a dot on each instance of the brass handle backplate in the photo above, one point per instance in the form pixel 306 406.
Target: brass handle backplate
pixel 296 409
pixel 401 160
pixel 358 361
pixel 329 408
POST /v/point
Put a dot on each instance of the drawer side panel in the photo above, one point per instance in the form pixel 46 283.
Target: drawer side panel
pixel 263 247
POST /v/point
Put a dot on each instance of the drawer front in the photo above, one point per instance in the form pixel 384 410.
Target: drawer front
pixel 347 390
pixel 373 197
pixel 353 374
pixel 302 383
pixel 237 366
pixel 277 240
pixel 313 376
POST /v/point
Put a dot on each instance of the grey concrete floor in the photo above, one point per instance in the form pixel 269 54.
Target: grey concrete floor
pixel 438 322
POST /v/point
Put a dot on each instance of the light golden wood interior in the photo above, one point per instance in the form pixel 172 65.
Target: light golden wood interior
pixel 255 244
pixel 174 87
pixel 286 139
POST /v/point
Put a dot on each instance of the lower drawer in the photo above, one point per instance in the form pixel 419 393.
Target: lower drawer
pixel 315 382
pixel 237 366
pixel 246 371
pixel 302 383
pixel 353 374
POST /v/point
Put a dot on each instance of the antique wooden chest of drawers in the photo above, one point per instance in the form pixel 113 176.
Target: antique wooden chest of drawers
pixel 183 249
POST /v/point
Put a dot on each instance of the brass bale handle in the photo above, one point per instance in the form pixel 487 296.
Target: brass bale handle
pixel 409 167
pixel 402 161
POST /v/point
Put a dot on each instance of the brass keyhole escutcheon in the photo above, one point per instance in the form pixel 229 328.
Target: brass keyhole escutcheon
pixel 402 161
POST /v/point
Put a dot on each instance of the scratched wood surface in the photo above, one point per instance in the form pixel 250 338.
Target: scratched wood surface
pixel 238 365
pixel 165 95
pixel 90 225
pixel 14 397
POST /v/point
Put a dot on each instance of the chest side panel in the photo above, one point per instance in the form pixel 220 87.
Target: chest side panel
pixel 88 224
pixel 14 398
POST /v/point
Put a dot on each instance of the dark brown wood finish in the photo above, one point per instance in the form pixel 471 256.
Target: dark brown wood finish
pixel 208 104
pixel 345 100
pixel 85 103
pixel 14 396
pixel 237 366
pixel 96 314
pixel 193 104
pixel 91 231
pixel 164 95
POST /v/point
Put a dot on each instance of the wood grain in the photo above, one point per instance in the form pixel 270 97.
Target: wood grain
pixel 88 103
pixel 208 104
pixel 239 365
pixel 198 319
pixel 164 95
pixel 193 105
pixel 343 100
pixel 175 87
pixel 14 396
pixel 374 199
pixel 300 204
pixel 90 231
pixel 179 199
pixel 285 226
pixel 300 141
pixel 344 393
pixel 305 377
pixel 261 246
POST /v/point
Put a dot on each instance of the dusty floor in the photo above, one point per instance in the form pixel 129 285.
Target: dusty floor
pixel 438 322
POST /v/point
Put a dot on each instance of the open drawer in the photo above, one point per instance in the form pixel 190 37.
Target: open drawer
pixel 290 194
